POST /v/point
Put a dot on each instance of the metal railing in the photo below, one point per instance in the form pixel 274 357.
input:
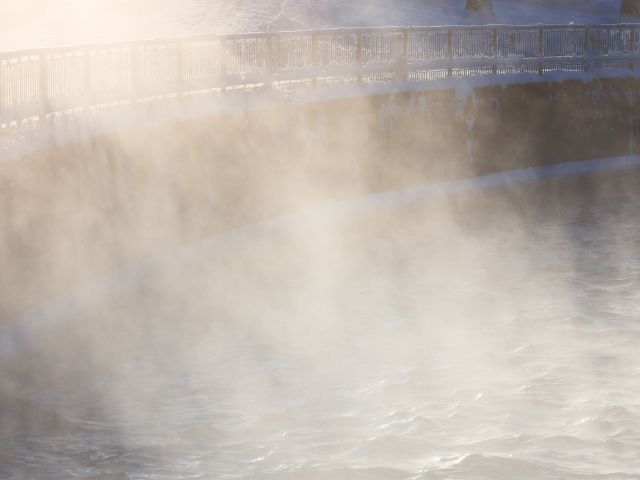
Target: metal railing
pixel 41 87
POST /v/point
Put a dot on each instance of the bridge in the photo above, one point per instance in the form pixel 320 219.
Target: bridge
pixel 51 86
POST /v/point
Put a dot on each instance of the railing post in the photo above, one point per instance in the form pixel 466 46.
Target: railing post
pixel 587 67
pixel 586 40
pixel 405 54
pixel 43 88
pixel 359 55
pixel 399 66
pixel 400 43
pixel 224 64
pixel 450 52
pixel 134 72
pixel 633 46
pixel 494 51
pixel 86 66
pixel 4 86
pixel 180 76
pixel 315 61
pixel 270 61
pixel 541 47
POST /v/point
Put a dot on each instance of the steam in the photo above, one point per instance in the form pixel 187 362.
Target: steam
pixel 272 292
pixel 378 338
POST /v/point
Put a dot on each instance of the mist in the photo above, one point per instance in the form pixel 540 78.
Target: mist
pixel 425 282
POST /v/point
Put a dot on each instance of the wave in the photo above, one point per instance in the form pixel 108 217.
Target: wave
pixel 481 467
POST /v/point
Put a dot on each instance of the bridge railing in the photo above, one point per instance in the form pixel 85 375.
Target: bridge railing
pixel 39 87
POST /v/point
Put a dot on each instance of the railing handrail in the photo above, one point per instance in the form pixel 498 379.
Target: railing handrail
pixel 319 31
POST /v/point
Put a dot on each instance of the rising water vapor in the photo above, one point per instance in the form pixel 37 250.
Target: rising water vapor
pixel 273 292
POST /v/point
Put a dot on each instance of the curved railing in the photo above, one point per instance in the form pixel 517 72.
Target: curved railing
pixel 41 87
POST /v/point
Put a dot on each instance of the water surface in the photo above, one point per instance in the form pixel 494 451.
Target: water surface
pixel 469 338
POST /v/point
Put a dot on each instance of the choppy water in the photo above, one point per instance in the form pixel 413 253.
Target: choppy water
pixel 500 343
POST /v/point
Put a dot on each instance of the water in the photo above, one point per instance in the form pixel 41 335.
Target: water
pixel 482 338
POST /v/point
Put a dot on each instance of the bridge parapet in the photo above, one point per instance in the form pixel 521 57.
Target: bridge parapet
pixel 50 86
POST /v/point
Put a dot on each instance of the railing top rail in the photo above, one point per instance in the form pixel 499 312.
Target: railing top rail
pixel 7 54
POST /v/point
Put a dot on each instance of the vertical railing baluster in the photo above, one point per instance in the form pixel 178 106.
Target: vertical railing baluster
pixel 397 55
pixel 359 55
pixel 405 54
pixel 494 51
pixel 587 66
pixel 3 84
pixel 180 79
pixel 224 64
pixel 633 46
pixel 541 47
pixel 450 52
pixel 270 66
pixel 315 63
pixel 133 66
pixel 43 88
pixel 87 87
